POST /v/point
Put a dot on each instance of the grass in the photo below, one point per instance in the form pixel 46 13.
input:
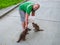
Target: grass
pixel 6 3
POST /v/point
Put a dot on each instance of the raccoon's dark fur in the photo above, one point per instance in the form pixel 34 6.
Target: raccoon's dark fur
pixel 36 27
pixel 23 35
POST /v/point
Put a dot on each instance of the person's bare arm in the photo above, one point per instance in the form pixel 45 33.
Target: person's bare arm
pixel 26 20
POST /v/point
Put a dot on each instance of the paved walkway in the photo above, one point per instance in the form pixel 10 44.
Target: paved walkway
pixel 47 17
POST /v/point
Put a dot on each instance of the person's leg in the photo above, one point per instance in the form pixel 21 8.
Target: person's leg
pixel 25 31
pixel 23 25
pixel 22 17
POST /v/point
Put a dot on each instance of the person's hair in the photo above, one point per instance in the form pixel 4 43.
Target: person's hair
pixel 38 7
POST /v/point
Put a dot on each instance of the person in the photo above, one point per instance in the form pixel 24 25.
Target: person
pixel 25 9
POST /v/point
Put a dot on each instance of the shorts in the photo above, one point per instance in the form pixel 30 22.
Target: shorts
pixel 22 15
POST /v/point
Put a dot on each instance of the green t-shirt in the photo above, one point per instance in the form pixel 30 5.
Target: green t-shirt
pixel 26 6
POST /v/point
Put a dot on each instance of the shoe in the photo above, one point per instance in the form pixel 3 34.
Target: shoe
pixel 28 29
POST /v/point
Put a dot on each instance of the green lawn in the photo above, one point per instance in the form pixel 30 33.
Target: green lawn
pixel 6 3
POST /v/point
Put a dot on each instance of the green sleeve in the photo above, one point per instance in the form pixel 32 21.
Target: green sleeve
pixel 29 9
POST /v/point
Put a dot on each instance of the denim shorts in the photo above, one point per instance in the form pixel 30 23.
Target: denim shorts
pixel 22 15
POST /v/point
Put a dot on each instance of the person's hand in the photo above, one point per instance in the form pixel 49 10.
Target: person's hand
pixel 33 13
